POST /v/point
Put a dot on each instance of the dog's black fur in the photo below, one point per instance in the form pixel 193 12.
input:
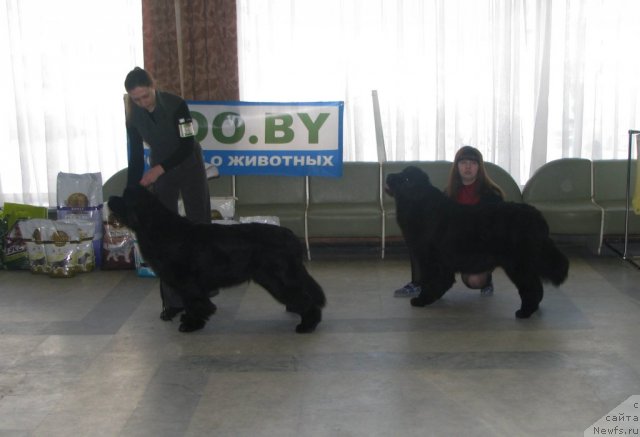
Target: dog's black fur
pixel 444 237
pixel 197 258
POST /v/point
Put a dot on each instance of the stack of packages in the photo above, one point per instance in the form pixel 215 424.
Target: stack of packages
pixel 117 244
pixel 14 248
pixel 80 200
pixel 33 242
pixel 120 248
pixel 60 248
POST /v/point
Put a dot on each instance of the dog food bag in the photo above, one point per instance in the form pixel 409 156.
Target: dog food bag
pixel 225 222
pixel 15 256
pixel 84 257
pixel 223 208
pixel 15 252
pixel 80 198
pixel 269 220
pixel 61 240
pixel 79 190
pixel 117 246
pixel 32 235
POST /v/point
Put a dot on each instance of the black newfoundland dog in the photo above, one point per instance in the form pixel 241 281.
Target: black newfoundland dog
pixel 445 237
pixel 197 258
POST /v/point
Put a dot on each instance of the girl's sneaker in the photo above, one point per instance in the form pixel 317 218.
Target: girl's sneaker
pixel 409 290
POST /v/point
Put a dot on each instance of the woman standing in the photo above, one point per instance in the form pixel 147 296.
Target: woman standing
pixel 163 121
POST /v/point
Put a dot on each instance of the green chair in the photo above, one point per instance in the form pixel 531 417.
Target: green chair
pixel 505 181
pixel 282 196
pixel 562 191
pixel 610 193
pixel 347 206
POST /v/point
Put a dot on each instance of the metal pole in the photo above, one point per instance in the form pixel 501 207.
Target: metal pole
pixel 382 151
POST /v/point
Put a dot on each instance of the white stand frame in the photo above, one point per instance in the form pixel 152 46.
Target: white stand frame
pixel 624 254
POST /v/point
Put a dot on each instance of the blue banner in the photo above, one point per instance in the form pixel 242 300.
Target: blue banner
pixel 293 139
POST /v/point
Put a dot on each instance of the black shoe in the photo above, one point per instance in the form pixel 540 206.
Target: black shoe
pixel 169 313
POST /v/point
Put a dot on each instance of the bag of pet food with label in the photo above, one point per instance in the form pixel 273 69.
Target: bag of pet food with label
pixel 84 257
pixel 222 208
pixel 265 219
pixel 80 198
pixel 117 245
pixel 61 240
pixel 32 235
pixel 15 255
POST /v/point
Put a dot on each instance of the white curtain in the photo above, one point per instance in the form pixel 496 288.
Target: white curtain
pixel 61 81
pixel 525 81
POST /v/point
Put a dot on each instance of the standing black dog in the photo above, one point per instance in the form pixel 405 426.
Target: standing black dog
pixel 198 258
pixel 445 237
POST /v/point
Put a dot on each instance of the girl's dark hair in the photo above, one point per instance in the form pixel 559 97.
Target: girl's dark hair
pixel 486 184
pixel 138 77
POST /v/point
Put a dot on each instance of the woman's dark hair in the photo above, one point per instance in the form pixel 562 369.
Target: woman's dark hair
pixel 138 77
pixel 485 183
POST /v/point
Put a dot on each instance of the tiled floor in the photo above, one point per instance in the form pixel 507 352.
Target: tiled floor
pixel 89 356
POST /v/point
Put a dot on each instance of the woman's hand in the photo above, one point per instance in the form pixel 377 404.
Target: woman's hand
pixel 151 175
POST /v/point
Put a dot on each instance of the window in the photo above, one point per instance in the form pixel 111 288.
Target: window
pixel 524 81
pixel 62 109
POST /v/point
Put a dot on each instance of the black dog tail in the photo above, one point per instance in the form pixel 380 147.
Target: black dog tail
pixel 553 265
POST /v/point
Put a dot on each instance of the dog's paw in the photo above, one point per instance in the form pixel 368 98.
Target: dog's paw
pixel 417 302
pixel 303 329
pixel 422 301
pixel 310 319
pixel 169 313
pixel 525 313
pixel 189 324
